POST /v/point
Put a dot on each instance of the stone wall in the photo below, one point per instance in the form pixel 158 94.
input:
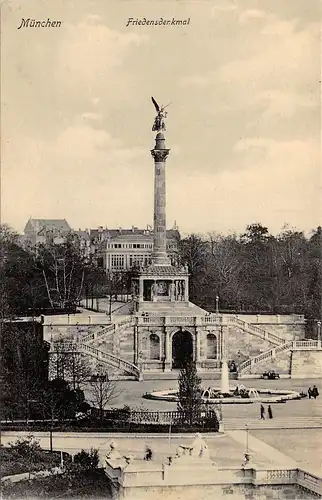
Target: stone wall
pixel 241 345
pixel 219 492
pixel 306 364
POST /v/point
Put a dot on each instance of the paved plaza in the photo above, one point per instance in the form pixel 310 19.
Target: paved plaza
pixel 277 446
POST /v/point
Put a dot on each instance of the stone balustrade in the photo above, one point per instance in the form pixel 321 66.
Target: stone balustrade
pixel 306 345
pixel 198 473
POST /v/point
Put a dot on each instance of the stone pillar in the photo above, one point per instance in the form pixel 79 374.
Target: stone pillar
pixel 172 291
pixel 197 345
pixel 136 345
pixel 140 289
pixel 186 290
pixel 160 154
pixel 154 291
pixel 167 360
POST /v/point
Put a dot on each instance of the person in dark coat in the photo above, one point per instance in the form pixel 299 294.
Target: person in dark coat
pixel 262 412
pixel 315 392
pixel 148 453
pixel 269 411
pixel 309 392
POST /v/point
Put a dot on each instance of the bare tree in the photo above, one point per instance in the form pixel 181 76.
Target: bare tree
pixel 69 364
pixel 103 391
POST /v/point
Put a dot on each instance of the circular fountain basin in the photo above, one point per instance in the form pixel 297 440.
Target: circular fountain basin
pixel 264 396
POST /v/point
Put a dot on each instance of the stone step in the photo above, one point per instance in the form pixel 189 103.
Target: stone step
pixel 214 374
pixel 274 423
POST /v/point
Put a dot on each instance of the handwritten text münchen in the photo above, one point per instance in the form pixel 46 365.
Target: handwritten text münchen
pixel 32 23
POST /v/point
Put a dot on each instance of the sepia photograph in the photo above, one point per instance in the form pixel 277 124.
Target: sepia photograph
pixel 161 250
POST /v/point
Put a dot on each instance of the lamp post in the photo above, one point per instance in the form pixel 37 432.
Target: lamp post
pixel 247 455
pixel 217 305
pixel 319 333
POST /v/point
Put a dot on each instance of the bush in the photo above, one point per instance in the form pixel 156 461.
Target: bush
pixel 25 455
pixel 87 460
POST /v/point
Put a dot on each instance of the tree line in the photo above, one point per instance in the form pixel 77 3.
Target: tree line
pixel 256 271
pixel 51 277
pixel 252 271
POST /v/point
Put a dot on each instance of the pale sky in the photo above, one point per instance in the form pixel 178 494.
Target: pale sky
pixel 243 126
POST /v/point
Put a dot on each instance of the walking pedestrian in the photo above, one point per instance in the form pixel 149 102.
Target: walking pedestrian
pixel 315 392
pixel 269 411
pixel 262 412
pixel 309 392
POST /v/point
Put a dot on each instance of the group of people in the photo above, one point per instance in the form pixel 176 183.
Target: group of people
pixel 313 393
pixel 269 412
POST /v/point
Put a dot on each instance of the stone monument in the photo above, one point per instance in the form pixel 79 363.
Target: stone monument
pixel 161 282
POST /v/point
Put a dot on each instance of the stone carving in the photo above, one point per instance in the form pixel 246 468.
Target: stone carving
pixel 159 123
pixel 113 453
pixel 198 449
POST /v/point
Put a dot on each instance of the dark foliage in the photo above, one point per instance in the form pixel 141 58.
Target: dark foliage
pixel 189 394
pixel 74 483
pixel 87 460
pixel 25 455
pixel 256 271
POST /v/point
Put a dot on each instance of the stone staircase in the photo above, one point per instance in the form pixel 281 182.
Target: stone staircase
pixel 100 334
pixel 239 423
pixel 171 309
pixel 110 360
pixel 248 366
pixel 255 330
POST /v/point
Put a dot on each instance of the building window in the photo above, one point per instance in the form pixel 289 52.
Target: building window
pixel 154 346
pixel 117 261
pixel 211 346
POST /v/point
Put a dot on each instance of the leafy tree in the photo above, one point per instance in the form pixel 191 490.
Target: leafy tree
pixel 189 394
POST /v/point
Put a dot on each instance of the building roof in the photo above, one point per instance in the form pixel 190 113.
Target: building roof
pixel 38 225
pixel 128 233
pixel 154 270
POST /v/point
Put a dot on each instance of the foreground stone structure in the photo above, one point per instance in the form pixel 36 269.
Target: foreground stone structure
pixel 192 474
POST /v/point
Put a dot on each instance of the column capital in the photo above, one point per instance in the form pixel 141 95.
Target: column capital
pixel 160 155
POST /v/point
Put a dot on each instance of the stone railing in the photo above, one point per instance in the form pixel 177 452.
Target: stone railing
pixel 164 417
pixel 310 481
pixel 301 345
pixel 263 356
pixel 105 357
pixel 103 331
pixel 269 319
pixel 256 330
pixel 110 359
pixel 306 345
pixel 116 327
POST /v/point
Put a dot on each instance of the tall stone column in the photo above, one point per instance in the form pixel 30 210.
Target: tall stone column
pixel 160 154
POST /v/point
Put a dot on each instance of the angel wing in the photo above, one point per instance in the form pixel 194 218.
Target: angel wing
pixel 156 105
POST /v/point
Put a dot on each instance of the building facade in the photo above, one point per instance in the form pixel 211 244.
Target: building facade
pixel 125 249
pixel 44 231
